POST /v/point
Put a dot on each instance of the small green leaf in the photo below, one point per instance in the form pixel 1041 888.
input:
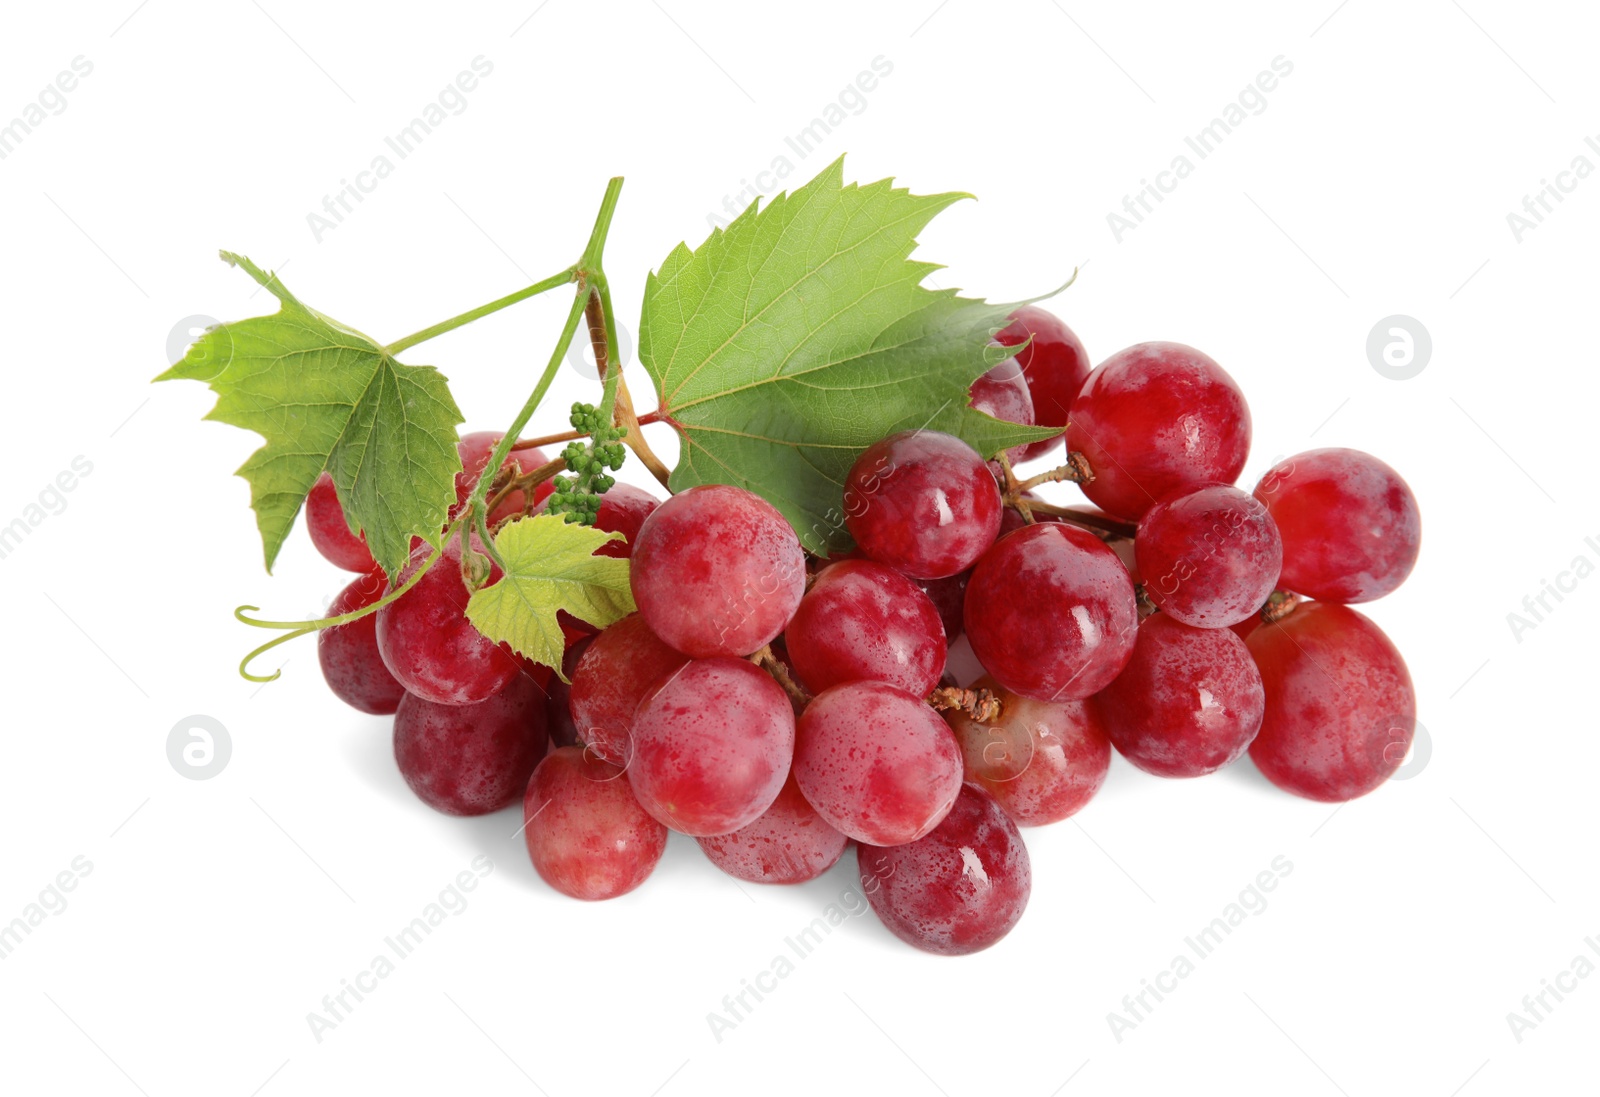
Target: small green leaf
pixel 328 398
pixel 800 334
pixel 550 566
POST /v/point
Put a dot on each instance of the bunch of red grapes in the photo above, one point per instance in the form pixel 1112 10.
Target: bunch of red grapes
pixel 778 707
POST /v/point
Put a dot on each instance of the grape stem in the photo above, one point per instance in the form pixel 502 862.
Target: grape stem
pixel 481 311
pixel 1099 523
pixel 770 663
pixel 982 705
pixel 620 411
pixel 1076 471
pixel 1280 603
pixel 526 481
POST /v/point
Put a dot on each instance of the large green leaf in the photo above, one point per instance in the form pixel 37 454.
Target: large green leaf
pixel 328 398
pixel 550 566
pixel 800 334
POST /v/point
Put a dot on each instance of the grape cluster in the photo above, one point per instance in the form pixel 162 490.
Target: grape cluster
pixel 779 707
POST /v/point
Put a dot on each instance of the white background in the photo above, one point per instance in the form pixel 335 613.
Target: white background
pixel 218 913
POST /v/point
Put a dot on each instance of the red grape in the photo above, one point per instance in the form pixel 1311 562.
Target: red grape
pixel 1350 527
pixel 1188 702
pixel 471 759
pixel 1155 418
pixel 428 643
pixel 711 746
pixel 621 665
pixel 717 570
pixel 862 620
pixel 1210 556
pixel 957 890
pixel 948 595
pixel 1051 612
pixel 922 502
pixel 788 844
pixel 876 762
pixel 475 450
pixel 1042 761
pixel 586 834
pixel 330 530
pixel 558 706
pixel 349 653
pixel 623 510
pixel 1340 710
pixel 1003 394
pixel 1055 366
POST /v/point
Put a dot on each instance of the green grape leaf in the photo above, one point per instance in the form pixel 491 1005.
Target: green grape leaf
pixel 328 398
pixel 550 566
pixel 800 334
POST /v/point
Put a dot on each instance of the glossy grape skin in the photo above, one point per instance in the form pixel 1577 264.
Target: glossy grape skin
pixel 862 620
pixel 1003 394
pixel 1340 709
pixel 717 570
pixel 1153 419
pixel 958 890
pixel 471 759
pixel 475 450
pixel 1042 761
pixel 621 665
pixel 1055 366
pixel 429 645
pixel 586 834
pixel 1188 703
pixel 1350 526
pixel 349 655
pixel 1051 612
pixel 948 596
pixel 1209 556
pixel 712 745
pixel 876 763
pixel 788 844
pixel 330 532
pixel 922 502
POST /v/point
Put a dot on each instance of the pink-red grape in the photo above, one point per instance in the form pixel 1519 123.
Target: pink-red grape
pixel 1350 526
pixel 1051 612
pixel 717 570
pixel 349 653
pixel 1209 556
pixel 1155 418
pixel 959 889
pixel 876 762
pixel 788 844
pixel 1055 366
pixel 622 664
pixel 586 833
pixel 712 745
pixel 471 759
pixel 1188 702
pixel 1003 394
pixel 1340 709
pixel 922 502
pixel 1042 761
pixel 330 531
pixel 863 620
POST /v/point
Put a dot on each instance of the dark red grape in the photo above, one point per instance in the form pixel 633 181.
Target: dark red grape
pixel 862 620
pixel 1188 702
pixel 922 502
pixel 876 762
pixel 1209 556
pixel 586 833
pixel 948 596
pixel 1156 418
pixel 558 706
pixel 1350 526
pixel 349 653
pixel 429 645
pixel 471 759
pixel 1340 709
pixel 1051 612
pixel 1055 366
pixel 621 666
pixel 1003 394
pixel 788 844
pixel 717 570
pixel 330 530
pixel 1042 761
pixel 957 890
pixel 712 745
